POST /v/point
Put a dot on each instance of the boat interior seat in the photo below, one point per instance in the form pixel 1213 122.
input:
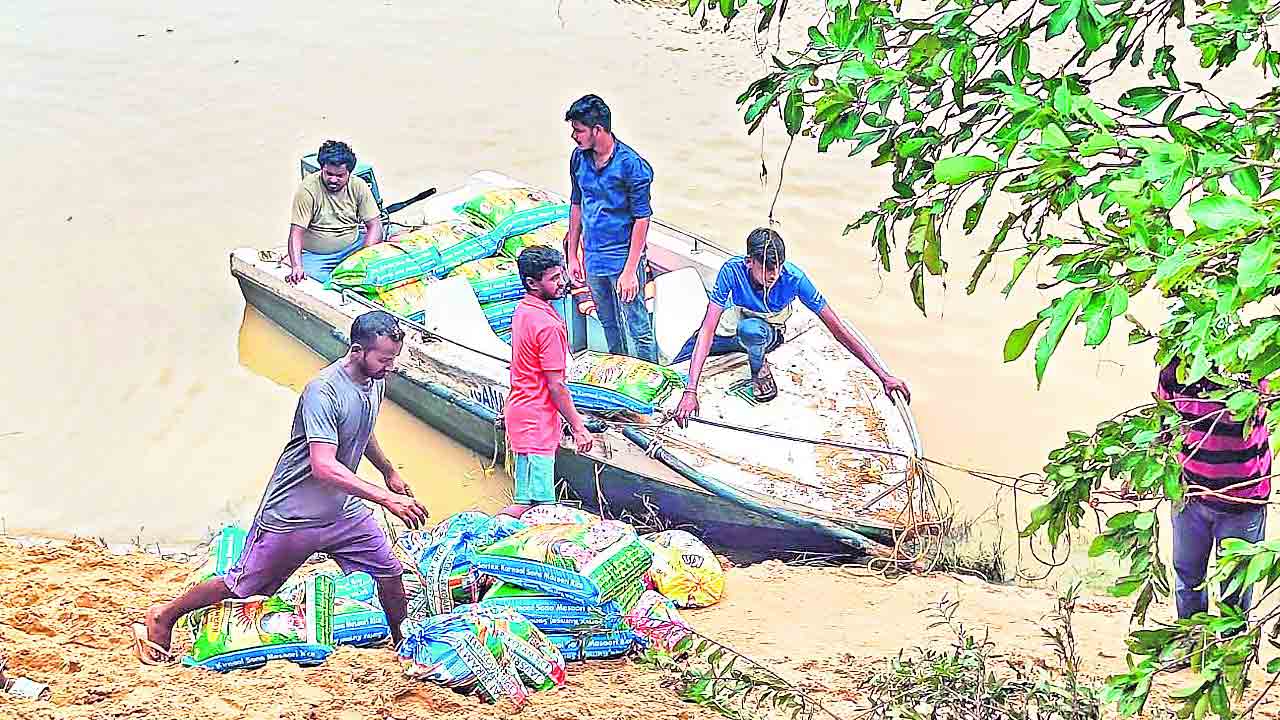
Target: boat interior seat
pixel 453 311
pixel 679 304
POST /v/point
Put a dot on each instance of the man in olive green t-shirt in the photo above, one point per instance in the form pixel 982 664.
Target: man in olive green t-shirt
pixel 334 215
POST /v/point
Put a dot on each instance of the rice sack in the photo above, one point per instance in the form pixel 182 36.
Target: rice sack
pixel 404 257
pixel 588 564
pixel 295 625
pixel 551 236
pixel 684 569
pixel 494 651
pixel 551 514
pixel 443 559
pixel 499 315
pixel 656 622
pixel 358 617
pixel 600 382
pixel 593 646
pixel 408 300
pixel 223 553
pixel 550 613
pixel 492 279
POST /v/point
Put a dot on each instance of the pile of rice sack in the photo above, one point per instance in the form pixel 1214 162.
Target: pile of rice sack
pixel 481 244
pixel 504 603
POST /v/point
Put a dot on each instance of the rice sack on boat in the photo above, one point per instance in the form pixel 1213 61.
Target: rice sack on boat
pixel 408 256
pixel 493 279
pixel 601 382
pixel 551 236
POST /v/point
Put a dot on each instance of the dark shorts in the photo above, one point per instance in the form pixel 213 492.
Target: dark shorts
pixel 269 558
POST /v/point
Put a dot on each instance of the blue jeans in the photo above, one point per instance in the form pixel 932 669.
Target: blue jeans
pixel 1197 530
pixel 628 329
pixel 318 266
pixel 755 337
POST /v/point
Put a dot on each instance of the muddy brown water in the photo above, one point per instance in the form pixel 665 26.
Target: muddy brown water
pixel 143 400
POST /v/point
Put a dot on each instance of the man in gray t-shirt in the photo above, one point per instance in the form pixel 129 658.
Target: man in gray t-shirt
pixel 314 500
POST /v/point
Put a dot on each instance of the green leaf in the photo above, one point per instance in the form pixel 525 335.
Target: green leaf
pixel 1053 136
pixel 1143 99
pixel 917 286
pixel 1021 58
pixel 959 169
pixel 924 239
pixel 1220 212
pixel 1062 17
pixel 1258 566
pixel 1017 342
pixel 880 90
pixel 793 112
pixel 1173 486
pixel 1101 545
pixel 1089 31
pixel 865 139
pixel 1256 263
pixel 1101 309
pixel 1176 268
pixel 1060 315
pixel 1144 520
pixel 1246 181
pixel 1242 403
pixel 1097 143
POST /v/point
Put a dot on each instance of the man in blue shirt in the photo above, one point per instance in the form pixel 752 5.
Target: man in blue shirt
pixel 609 221
pixel 746 312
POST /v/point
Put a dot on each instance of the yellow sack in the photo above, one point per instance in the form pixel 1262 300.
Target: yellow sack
pixel 408 300
pixel 684 569
pixel 551 236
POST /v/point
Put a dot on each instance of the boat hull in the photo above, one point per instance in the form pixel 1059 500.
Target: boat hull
pixel 615 491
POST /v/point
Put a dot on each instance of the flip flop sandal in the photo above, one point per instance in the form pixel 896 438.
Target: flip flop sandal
pixel 149 653
pixel 765 388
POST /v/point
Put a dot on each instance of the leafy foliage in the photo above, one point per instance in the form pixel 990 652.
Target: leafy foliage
pixel 1163 187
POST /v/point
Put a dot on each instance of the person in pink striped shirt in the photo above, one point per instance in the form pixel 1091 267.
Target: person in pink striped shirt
pixel 1228 477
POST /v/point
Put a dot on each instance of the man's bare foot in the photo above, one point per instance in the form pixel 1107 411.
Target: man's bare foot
pixel 159 633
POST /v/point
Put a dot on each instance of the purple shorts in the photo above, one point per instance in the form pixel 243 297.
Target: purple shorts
pixel 269 558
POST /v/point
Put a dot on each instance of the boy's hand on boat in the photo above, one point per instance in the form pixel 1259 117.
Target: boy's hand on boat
pixel 295 276
pixel 893 384
pixel 583 438
pixel 687 408
pixel 410 511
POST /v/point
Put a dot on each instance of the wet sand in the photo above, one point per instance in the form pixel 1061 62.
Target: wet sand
pixel 65 611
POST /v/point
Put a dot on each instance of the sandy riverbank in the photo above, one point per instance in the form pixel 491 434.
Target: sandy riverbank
pixel 65 609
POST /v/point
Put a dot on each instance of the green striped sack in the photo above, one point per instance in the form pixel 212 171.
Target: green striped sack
pixel 499 316
pixel 404 257
pixel 493 279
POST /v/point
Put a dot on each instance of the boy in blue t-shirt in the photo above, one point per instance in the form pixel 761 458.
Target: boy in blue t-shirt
pixel 746 312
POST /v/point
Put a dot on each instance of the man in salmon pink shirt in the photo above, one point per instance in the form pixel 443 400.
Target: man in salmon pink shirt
pixel 539 392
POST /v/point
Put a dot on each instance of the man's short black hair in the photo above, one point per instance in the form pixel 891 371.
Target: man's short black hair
pixel 536 260
pixel 370 326
pixel 591 111
pixel 765 246
pixel 336 152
